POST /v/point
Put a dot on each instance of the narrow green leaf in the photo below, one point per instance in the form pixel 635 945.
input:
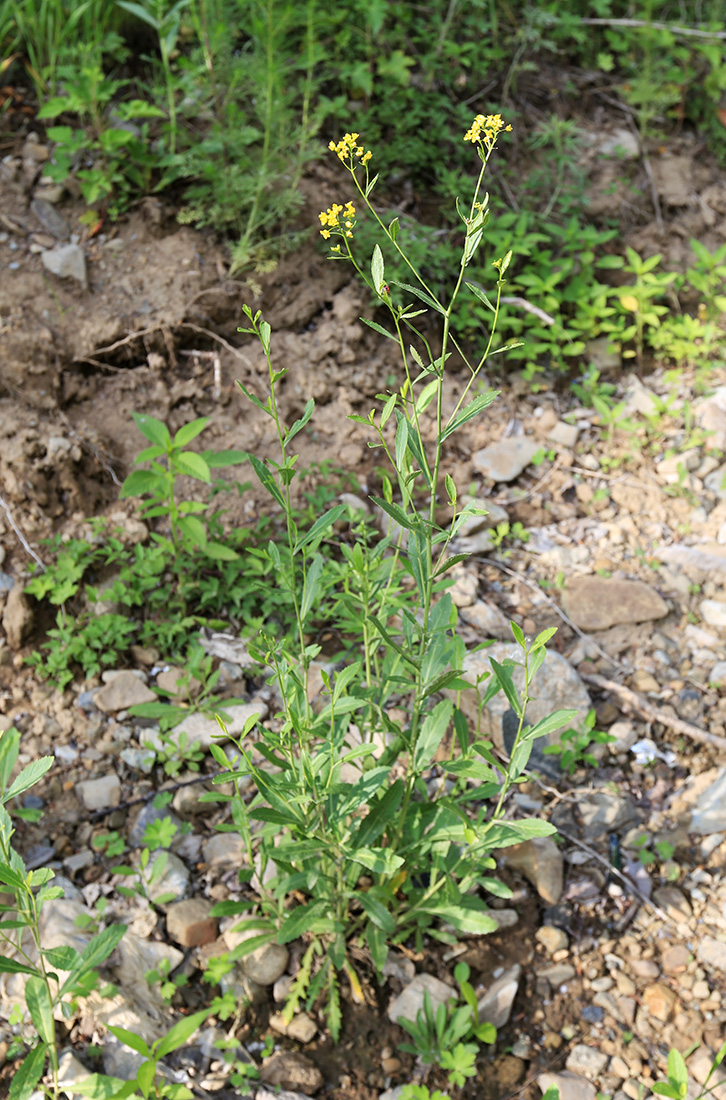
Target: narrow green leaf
pixel 141 481
pixel 300 920
pixel 478 293
pixel 377 269
pixel 503 676
pixel 311 586
pixel 421 294
pixel 12 966
pixel 483 401
pixel 267 480
pixel 130 1039
pixel 322 525
pixel 300 424
pixel 395 512
pixel 550 723
pixel 377 911
pixel 379 329
pixel 29 1073
pixel 37 998
pixel 381 813
pixel 432 732
pixel 180 1033
pixel 382 861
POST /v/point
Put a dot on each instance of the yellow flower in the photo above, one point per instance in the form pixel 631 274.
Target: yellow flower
pixel 330 219
pixel 485 129
pixel 348 148
pixel 325 233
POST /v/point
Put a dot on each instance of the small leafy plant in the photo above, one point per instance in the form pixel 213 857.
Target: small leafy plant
pixel 439 1038
pixel 575 744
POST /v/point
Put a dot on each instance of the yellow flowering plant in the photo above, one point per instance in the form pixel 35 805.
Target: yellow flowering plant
pixel 378 833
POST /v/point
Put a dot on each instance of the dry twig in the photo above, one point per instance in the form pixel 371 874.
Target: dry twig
pixel 634 702
pixel 21 537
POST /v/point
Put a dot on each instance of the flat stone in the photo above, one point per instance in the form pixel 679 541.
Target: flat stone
pixel 571 1086
pixel 124 691
pixel 709 814
pixel 302 1029
pixel 674 902
pixel 597 603
pixel 707 557
pixel 410 1000
pixel 717 675
pixel 625 735
pixel 50 219
pixel 644 968
pixel 541 862
pixel 148 815
pixel 712 952
pixel 598 353
pixel 620 143
pixel 673 177
pixel 204 730
pixel 586 1061
pixel 287 1069
pixel 495 1006
pixel 189 923
pixel 505 460
pixel 98 794
pixel 558 974
pixel 556 686
pixel 175 879
pixel 178 685
pixel 67 262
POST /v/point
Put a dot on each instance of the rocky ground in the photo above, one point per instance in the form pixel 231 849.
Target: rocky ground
pixel 594 973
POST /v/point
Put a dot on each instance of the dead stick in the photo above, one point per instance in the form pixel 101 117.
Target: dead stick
pixel 687 32
pixel 636 702
pixel 26 545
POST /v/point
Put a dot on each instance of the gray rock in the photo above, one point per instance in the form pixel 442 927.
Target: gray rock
pixel 711 415
pixel 597 603
pixel 6 582
pixel 541 862
pixel 505 460
pixel 290 1070
pixel 639 399
pixel 50 219
pixel 717 675
pixel 495 1006
pixel 487 619
pixel 67 262
pixel 599 354
pixel 70 1072
pixel 18 617
pixel 224 850
pixel 712 953
pixel 494 514
pixel 564 434
pixel 570 1085
pixel 708 557
pixel 140 760
pixel 265 964
pixel 205 730
pixel 125 690
pixel 399 967
pixel 410 1000
pixel 98 794
pixel 558 974
pixel 625 736
pixel 605 813
pixel 556 686
pixel 280 1094
pixel 586 1061
pixel 119 1060
pixel 709 816
pixel 136 957
pixel 176 879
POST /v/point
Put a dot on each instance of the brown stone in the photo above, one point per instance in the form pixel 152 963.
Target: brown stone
pixel 189 924
pixel 125 690
pixel 676 959
pixel 287 1069
pixel 597 603
pixel 660 1001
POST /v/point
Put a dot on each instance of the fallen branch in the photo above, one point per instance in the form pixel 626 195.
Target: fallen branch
pixel 634 702
pixel 687 32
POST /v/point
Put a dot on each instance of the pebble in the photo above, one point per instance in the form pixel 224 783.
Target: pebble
pixel 598 603
pixel 709 814
pixel 552 939
pixel 541 862
pixel 68 261
pixel 660 1000
pixel 266 963
pixel 675 959
pixel 586 1061
pixel 558 974
pixel 99 794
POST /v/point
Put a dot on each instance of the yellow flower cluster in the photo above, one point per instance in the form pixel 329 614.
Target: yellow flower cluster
pixel 486 128
pixel 348 148
pixel 331 219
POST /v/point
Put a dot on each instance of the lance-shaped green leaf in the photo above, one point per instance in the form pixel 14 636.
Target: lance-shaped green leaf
pixel 483 401
pixel 267 480
pixel 29 1073
pixel 552 722
pixel 382 861
pixel 432 731
pixel 379 329
pixel 300 424
pixel 377 269
pixel 503 675
pixel 180 1033
pixel 479 293
pixel 422 294
pixel 28 777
